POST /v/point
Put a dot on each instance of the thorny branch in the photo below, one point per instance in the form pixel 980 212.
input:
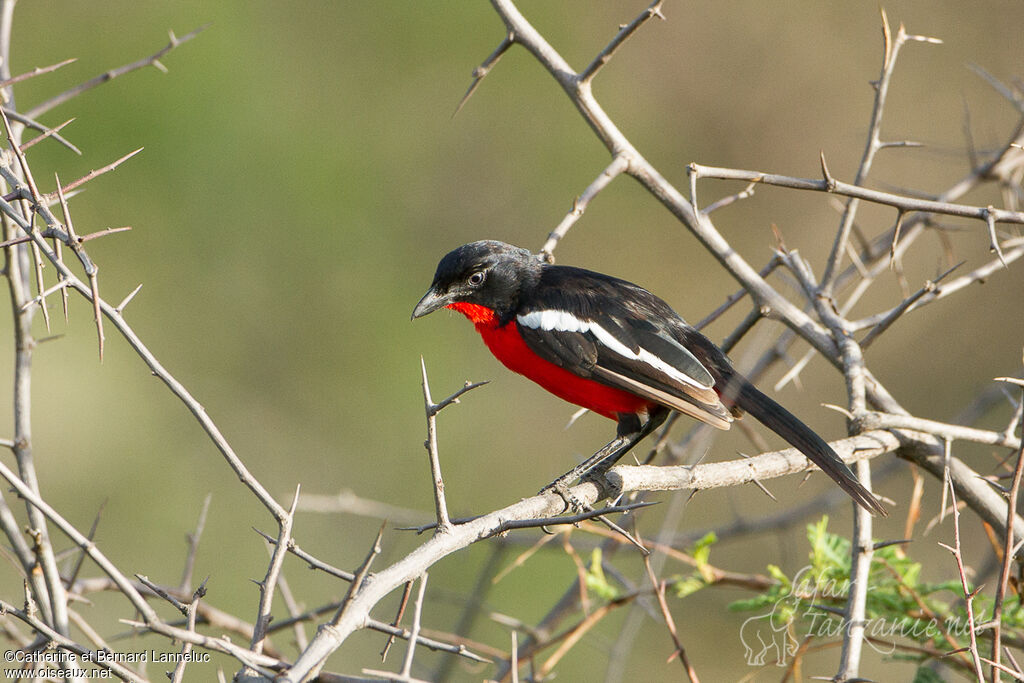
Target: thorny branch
pixel 878 423
pixel 107 76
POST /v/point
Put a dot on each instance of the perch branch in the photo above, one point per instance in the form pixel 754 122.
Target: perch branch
pixel 107 76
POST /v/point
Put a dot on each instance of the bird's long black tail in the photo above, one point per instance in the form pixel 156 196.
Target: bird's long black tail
pixel 769 413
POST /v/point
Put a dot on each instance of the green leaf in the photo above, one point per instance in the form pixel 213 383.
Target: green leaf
pixel 688 586
pixel 776 573
pixel 596 581
pixel 701 552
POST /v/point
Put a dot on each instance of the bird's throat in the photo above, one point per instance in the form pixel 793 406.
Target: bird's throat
pixel 477 314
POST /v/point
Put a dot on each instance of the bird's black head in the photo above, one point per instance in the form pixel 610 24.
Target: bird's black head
pixel 488 273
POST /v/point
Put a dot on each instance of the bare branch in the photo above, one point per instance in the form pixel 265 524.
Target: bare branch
pixel 178 674
pixel 580 204
pixel 902 202
pixel 1009 552
pixel 861 551
pixel 892 316
pixel 152 60
pixel 43 572
pixel 47 133
pixel 621 37
pixel 173 384
pixel 269 583
pixel 969 595
pixel 659 592
pixel 432 409
pixel 38 71
pixel 53 196
pixel 313 562
pixel 415 633
pixel 874 144
pixel 46 130
pixel 877 420
pixel 69 645
pixel 481 71
pixel 193 545
pixel 108 567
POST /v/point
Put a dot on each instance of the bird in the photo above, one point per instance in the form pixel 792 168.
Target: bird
pixel 612 347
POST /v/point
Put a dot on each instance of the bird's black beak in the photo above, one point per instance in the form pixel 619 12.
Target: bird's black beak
pixel 430 302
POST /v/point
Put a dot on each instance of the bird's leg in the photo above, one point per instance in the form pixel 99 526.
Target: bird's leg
pixel 630 432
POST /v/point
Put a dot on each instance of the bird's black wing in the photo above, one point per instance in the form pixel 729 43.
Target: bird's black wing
pixel 619 334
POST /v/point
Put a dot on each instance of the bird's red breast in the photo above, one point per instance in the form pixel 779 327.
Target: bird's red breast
pixel 508 347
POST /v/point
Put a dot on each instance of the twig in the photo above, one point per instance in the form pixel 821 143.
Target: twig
pixel 969 595
pixel 763 524
pixel 1008 555
pixel 992 239
pixel 95 173
pixel 580 204
pixel 90 268
pixel 71 646
pixel 576 633
pixel 861 551
pixel 263 664
pixel 659 592
pixel 737 295
pixel 152 60
pixel 415 633
pixel 432 409
pixel 177 604
pixel 38 71
pixel 360 575
pixel 402 604
pixel 179 670
pixel 929 287
pixel 269 583
pixel 876 420
pixel 38 300
pixel 902 202
pixel 73 575
pixel 313 562
pixel 745 193
pixel 481 71
pixel 90 548
pixel 649 177
pixel 222 620
pixel 47 133
pixel 26 173
pixel 193 545
pixel 43 571
pixel 745 326
pixel 294 610
pixel 744 470
pixel 874 144
pixel 587 75
pixel 104 233
pixel 45 130
pixel 176 388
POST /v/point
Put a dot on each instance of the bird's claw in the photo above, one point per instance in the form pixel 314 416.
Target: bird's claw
pixel 561 489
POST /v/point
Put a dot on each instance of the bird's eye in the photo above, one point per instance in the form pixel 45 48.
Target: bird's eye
pixel 476 279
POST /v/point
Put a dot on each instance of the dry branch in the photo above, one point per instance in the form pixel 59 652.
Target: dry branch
pixel 818 315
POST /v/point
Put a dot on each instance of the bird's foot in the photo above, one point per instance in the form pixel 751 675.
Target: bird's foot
pixel 560 487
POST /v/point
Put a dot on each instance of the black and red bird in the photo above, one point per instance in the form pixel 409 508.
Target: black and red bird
pixel 612 347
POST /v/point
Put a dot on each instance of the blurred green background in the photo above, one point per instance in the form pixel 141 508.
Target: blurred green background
pixel 302 175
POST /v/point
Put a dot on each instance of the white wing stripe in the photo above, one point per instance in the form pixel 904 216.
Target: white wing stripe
pixel 563 321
